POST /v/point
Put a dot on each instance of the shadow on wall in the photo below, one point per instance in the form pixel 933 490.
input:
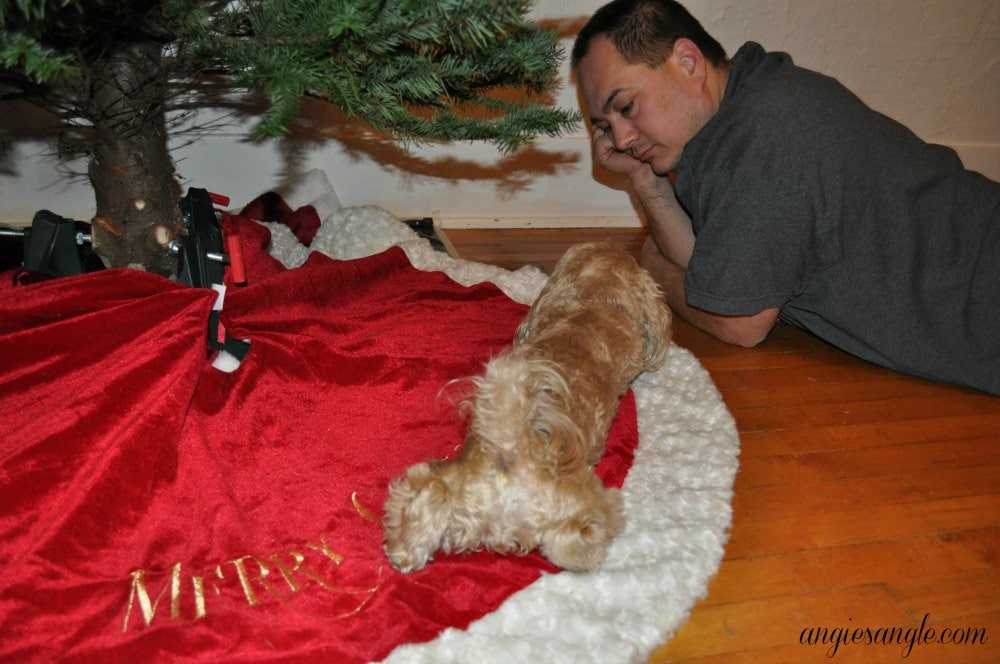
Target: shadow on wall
pixel 318 123
pixel 23 121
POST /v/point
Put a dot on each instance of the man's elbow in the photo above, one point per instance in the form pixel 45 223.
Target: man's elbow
pixel 744 338
pixel 746 331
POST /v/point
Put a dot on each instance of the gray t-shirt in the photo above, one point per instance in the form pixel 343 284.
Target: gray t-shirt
pixel 804 198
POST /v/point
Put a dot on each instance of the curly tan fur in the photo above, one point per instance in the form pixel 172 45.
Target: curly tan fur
pixel 539 423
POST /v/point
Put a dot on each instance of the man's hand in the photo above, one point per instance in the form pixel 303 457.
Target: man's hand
pixel 608 157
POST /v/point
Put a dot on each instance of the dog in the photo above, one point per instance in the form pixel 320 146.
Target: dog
pixel 539 422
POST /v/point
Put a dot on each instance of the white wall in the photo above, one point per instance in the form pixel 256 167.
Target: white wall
pixel 932 64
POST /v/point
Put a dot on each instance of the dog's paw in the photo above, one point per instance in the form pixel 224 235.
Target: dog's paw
pixel 415 518
pixel 405 560
pixel 580 543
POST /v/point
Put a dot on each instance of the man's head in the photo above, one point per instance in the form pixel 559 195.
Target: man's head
pixel 650 77
pixel 644 31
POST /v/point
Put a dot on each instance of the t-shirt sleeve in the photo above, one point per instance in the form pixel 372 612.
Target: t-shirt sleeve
pixel 755 243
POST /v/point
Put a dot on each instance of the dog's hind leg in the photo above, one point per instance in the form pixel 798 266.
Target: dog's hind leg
pixel 580 541
pixel 416 518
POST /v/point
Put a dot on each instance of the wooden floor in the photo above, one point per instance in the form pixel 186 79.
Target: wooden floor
pixel 865 499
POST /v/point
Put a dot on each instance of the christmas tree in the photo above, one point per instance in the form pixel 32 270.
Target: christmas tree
pixel 419 70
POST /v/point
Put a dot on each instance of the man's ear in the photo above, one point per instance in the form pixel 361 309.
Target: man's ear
pixel 689 57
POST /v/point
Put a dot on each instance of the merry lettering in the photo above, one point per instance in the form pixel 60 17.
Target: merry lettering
pixel 247 581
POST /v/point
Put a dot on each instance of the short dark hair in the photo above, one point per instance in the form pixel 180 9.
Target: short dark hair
pixel 644 31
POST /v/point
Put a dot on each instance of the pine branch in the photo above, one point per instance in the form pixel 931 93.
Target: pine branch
pixel 393 62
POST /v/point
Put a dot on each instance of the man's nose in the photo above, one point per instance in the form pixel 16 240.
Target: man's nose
pixel 623 135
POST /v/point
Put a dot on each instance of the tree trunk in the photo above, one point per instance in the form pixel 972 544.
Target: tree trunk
pixel 130 169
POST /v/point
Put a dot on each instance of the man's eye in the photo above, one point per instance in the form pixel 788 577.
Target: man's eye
pixel 626 109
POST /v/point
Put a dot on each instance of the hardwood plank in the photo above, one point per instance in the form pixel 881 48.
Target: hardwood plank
pixel 787 495
pixel 967 595
pixel 897 406
pixel 786 533
pixel 746 579
pixel 894 563
pixel 914 460
pixel 953 483
pixel 868 434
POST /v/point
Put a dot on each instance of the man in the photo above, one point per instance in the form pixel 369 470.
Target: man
pixel 793 200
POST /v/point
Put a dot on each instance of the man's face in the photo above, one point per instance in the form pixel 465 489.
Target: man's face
pixel 648 113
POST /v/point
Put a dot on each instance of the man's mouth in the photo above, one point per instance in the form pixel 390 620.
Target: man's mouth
pixel 644 155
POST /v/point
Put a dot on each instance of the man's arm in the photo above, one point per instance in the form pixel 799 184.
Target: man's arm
pixel 668 250
pixel 746 331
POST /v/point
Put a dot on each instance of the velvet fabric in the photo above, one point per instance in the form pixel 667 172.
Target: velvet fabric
pixel 153 507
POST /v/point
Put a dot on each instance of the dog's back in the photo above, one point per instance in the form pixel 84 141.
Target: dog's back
pixel 598 294
pixel 539 423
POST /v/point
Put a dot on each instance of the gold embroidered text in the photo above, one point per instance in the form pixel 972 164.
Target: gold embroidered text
pixel 250 580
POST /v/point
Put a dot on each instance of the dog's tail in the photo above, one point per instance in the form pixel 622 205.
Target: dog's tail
pixel 522 406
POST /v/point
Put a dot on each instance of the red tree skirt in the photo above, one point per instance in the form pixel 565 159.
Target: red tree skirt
pixel 153 507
